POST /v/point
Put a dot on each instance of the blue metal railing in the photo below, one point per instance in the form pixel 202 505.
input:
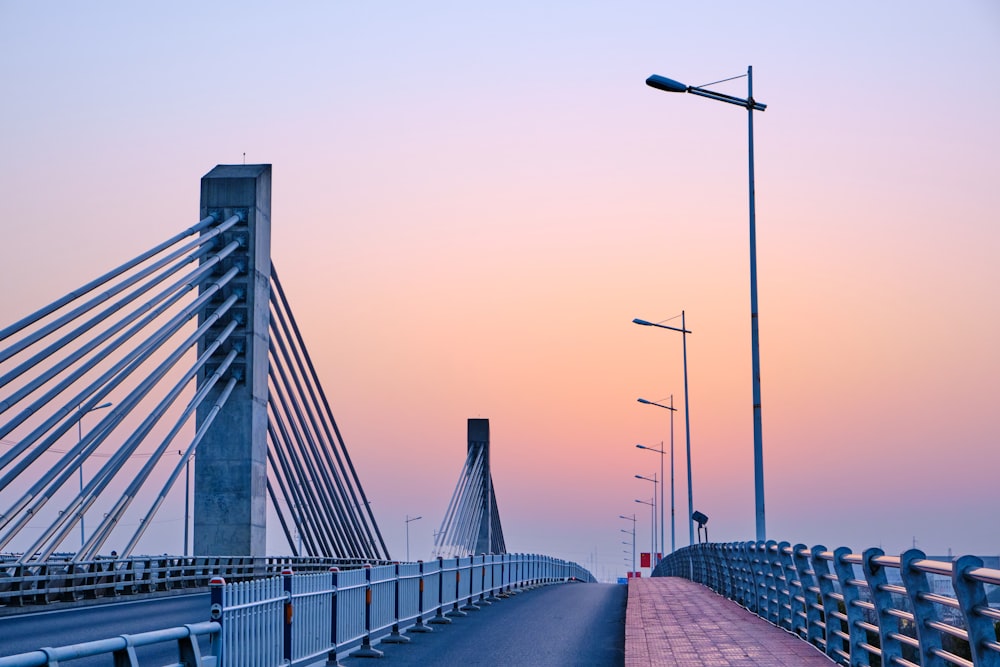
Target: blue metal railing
pixel 859 608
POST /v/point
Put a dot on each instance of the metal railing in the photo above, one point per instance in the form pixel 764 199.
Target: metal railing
pixel 860 609
pixel 300 618
pixel 297 619
pixel 62 580
pixel 123 648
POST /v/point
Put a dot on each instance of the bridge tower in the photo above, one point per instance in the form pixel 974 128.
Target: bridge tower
pixel 231 461
pixel 471 523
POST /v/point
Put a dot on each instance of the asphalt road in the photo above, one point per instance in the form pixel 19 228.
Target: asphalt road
pixel 30 631
pixel 578 625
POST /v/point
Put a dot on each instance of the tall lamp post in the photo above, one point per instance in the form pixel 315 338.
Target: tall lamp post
pixel 408 520
pixel 661 452
pixel 671 86
pixel 687 409
pixel 632 519
pixel 655 482
pixel 79 439
pixel 652 525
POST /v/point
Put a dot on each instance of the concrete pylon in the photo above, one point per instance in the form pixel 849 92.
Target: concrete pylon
pixel 490 537
pixel 231 460
pixel 479 439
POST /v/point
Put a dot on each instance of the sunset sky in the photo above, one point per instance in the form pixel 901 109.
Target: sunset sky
pixel 472 202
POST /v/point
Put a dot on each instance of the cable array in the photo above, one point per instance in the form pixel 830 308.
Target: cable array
pixel 98 390
pixel 472 519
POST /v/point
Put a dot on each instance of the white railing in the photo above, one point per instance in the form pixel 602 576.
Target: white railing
pixel 303 618
pixel 299 619
pixel 859 608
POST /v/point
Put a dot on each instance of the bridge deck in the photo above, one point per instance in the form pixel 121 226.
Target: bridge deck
pixel 672 621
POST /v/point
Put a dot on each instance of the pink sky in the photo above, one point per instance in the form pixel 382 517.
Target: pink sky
pixel 470 206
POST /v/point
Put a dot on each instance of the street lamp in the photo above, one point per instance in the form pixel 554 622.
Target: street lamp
pixel 662 504
pixel 632 519
pixel 671 86
pixel 655 482
pixel 687 409
pixel 407 521
pixel 79 439
pixel 652 524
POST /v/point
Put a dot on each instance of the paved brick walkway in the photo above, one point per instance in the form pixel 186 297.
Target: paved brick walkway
pixel 672 621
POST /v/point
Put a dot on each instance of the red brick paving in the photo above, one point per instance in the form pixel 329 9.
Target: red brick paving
pixel 672 621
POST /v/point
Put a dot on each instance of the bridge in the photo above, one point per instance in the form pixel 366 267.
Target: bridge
pixel 190 354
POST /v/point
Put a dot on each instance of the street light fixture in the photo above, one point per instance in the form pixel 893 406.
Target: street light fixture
pixel 671 86
pixel 655 482
pixel 79 439
pixel 661 452
pixel 407 521
pixel 687 409
pixel 632 519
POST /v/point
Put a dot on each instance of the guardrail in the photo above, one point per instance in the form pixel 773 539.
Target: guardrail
pixel 297 619
pixel 123 648
pixel 860 609
pixel 44 582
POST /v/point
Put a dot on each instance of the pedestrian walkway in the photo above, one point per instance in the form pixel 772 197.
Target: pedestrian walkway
pixel 673 621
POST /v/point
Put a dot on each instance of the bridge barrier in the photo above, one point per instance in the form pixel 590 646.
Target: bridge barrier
pixel 64 580
pixel 297 619
pixel 123 648
pixel 859 608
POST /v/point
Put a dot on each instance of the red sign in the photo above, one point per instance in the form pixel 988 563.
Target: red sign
pixel 634 575
pixel 644 559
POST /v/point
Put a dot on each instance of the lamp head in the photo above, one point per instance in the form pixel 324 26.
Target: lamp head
pixel 665 84
pixel 642 322
pixel 700 518
pixel 644 401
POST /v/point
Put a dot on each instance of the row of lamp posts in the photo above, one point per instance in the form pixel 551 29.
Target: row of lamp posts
pixel 671 86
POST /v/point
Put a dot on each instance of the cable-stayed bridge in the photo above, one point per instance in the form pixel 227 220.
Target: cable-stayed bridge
pixel 190 352
pixel 189 348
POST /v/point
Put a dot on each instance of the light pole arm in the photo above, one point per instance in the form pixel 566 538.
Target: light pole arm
pixel 722 97
pixel 654 324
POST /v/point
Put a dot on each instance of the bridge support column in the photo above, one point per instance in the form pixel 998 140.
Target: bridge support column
pixel 231 460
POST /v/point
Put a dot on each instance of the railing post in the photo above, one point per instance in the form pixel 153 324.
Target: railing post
pixel 756 576
pixel 469 604
pixel 971 595
pixel 858 637
pixel 215 588
pixel 771 577
pixel 420 626
pixel 331 656
pixel 286 577
pixel 439 617
pixel 395 637
pixel 783 584
pixel 924 612
pixel 824 579
pixel 811 599
pixel 366 650
pixel 888 624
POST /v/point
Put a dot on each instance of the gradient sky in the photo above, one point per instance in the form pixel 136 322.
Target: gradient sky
pixel 471 204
